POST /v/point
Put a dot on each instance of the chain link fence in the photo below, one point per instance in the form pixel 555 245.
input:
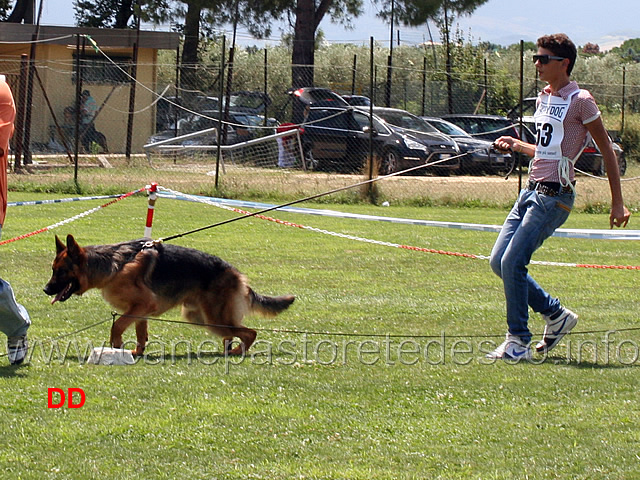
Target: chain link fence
pixel 247 108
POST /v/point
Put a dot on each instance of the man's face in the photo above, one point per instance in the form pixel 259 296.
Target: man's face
pixel 553 69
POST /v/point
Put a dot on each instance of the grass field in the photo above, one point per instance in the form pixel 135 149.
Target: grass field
pixel 389 381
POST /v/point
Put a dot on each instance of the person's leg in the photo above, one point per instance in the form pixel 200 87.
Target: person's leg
pixel 557 210
pixel 14 322
pixel 14 318
pixel 541 215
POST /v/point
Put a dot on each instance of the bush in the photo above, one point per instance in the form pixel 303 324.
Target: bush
pixel 630 138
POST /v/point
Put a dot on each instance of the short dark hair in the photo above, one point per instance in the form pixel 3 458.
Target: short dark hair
pixel 562 46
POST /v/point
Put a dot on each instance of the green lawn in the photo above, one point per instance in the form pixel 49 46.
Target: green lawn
pixel 403 392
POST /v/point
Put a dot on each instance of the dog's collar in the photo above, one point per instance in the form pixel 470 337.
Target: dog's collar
pixel 151 244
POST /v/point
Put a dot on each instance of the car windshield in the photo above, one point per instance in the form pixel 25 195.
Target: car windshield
pixel 449 128
pixel 255 102
pixel 362 120
pixel 406 120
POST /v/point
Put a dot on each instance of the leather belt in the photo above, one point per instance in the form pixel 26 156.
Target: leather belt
pixel 551 189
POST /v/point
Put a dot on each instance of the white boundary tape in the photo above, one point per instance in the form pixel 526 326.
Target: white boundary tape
pixel 588 234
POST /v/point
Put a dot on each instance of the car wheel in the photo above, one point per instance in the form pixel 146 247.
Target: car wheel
pixel 390 161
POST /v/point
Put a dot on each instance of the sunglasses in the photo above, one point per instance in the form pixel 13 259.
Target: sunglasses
pixel 544 59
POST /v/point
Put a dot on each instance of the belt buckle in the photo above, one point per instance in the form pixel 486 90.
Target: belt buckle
pixel 545 190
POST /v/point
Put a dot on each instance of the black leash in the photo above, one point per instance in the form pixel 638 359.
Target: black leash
pixel 365 334
pixel 312 197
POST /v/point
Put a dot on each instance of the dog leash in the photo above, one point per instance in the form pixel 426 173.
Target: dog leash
pixel 309 198
pixel 64 335
pixel 367 335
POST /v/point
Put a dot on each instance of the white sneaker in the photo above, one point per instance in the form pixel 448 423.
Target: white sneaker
pixel 17 348
pixel 513 348
pixel 555 329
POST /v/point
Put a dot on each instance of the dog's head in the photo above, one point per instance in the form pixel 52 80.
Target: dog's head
pixel 69 271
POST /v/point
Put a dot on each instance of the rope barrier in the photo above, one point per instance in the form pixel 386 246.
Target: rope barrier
pixel 69 220
pixel 61 200
pixel 364 334
pixel 428 163
pixel 163 191
pixel 590 234
pixel 383 243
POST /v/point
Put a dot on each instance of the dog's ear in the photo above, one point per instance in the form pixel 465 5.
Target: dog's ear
pixel 60 247
pixel 73 249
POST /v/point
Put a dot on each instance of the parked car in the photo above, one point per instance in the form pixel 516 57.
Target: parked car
pixel 317 97
pixel 241 126
pixel 338 139
pixel 169 109
pixel 480 157
pixel 490 127
pixel 357 100
pixel 592 161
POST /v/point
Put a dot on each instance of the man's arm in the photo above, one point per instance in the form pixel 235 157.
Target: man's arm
pixel 506 144
pixel 619 213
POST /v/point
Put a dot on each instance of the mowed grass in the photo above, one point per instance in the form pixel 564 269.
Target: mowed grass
pixel 376 371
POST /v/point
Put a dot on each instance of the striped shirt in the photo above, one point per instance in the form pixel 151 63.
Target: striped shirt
pixel 582 110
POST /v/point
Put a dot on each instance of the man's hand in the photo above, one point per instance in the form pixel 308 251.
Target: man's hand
pixel 504 144
pixel 619 217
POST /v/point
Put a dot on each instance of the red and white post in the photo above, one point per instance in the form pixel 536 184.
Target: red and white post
pixel 152 189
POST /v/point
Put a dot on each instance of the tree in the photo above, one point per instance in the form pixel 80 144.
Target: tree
pixel 4 9
pixel 628 50
pixel 22 11
pixel 591 48
pixel 414 13
pixel 307 21
pixel 119 13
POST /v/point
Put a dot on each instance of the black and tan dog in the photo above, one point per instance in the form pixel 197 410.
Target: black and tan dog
pixel 143 279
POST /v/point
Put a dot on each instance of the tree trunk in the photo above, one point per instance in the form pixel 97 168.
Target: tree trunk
pixel 188 69
pixel 22 10
pixel 308 17
pixel 124 13
pixel 303 44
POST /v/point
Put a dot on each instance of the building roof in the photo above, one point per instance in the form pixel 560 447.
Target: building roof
pixel 104 37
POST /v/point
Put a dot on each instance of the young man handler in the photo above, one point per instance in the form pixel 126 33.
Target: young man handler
pixel 566 117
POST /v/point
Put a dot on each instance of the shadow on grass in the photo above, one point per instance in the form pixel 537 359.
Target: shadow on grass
pixel 11 371
pixel 590 364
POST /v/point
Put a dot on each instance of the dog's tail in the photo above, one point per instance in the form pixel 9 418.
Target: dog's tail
pixel 269 306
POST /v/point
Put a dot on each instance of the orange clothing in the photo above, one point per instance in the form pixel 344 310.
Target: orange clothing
pixel 7 115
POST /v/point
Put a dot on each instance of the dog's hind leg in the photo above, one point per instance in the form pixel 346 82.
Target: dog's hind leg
pixel 121 325
pixel 118 328
pixel 142 336
pixel 247 336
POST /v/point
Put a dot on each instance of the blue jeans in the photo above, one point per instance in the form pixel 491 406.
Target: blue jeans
pixel 533 219
pixel 14 319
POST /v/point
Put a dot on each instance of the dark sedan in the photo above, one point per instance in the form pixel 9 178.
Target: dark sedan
pixel 338 139
pixel 490 127
pixel 479 155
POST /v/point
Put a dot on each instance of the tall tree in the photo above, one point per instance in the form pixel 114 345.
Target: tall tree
pixel 415 12
pixel 23 11
pixel 418 12
pixel 119 13
pixel 307 20
pixel 5 6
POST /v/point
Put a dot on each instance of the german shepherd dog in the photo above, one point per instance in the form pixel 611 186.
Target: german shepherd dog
pixel 141 279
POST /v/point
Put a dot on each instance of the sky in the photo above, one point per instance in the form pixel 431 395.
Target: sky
pixel 504 22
